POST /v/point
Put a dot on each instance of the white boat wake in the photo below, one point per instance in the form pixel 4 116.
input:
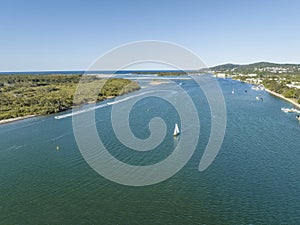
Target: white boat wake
pixel 100 106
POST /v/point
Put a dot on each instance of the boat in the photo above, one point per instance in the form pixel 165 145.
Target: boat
pixel 286 110
pixel 176 130
pixel 232 91
pixel 292 110
pixel 260 87
pixel 295 110
pixel 259 98
pixel 298 117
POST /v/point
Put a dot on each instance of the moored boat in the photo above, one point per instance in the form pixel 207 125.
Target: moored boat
pixel 290 110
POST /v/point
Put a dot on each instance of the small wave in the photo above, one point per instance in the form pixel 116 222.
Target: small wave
pixel 60 136
pixel 100 106
pixel 14 147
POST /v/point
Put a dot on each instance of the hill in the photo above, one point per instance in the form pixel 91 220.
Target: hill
pixel 258 67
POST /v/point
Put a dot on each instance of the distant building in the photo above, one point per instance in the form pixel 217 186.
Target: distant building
pixel 294 85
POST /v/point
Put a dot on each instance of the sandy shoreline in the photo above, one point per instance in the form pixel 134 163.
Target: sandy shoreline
pixel 282 97
pixel 16 119
pixel 278 95
pixel 158 82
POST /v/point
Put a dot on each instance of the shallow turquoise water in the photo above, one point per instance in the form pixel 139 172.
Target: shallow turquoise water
pixel 255 179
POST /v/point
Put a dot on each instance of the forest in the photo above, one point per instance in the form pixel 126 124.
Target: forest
pixel 33 94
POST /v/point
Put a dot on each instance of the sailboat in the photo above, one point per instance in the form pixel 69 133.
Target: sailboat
pixel 176 130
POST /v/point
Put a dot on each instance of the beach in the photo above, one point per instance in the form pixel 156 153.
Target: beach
pixel 158 82
pixel 284 98
pixel 292 101
pixel 16 119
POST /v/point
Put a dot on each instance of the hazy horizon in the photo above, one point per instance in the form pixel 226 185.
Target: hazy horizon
pixel 136 69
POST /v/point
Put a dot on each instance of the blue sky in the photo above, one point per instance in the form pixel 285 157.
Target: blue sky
pixel 70 35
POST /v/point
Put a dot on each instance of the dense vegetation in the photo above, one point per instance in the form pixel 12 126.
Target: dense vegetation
pixel 275 77
pixel 163 73
pixel 278 84
pixel 173 73
pixel 22 95
pixel 260 68
pixel 281 88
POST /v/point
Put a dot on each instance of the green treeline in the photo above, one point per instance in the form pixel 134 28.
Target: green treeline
pixel 22 95
pixel 175 73
pixel 279 84
pixel 163 73
pixel 260 68
pixel 281 88
pixel 280 78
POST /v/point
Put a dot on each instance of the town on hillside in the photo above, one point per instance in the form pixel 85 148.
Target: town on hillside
pixel 283 79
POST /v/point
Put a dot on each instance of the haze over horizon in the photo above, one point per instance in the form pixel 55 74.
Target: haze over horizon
pixel 70 35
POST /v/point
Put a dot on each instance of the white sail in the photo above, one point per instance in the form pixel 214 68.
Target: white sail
pixel 176 130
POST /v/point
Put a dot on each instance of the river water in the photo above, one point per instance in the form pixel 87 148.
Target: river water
pixel 255 178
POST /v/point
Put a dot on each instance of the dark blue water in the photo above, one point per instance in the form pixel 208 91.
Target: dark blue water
pixel 255 178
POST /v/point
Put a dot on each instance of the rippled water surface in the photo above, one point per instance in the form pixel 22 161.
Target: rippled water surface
pixel 255 178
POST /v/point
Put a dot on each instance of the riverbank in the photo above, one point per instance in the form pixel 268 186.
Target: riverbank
pixel 16 119
pixel 292 101
pixel 10 120
pixel 284 98
pixel 27 95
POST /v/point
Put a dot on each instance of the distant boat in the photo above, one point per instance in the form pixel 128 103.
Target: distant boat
pixel 176 130
pixel 298 117
pixel 259 98
pixel 286 110
pixel 260 87
pixel 295 110
pixel 232 91
pixel 292 110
